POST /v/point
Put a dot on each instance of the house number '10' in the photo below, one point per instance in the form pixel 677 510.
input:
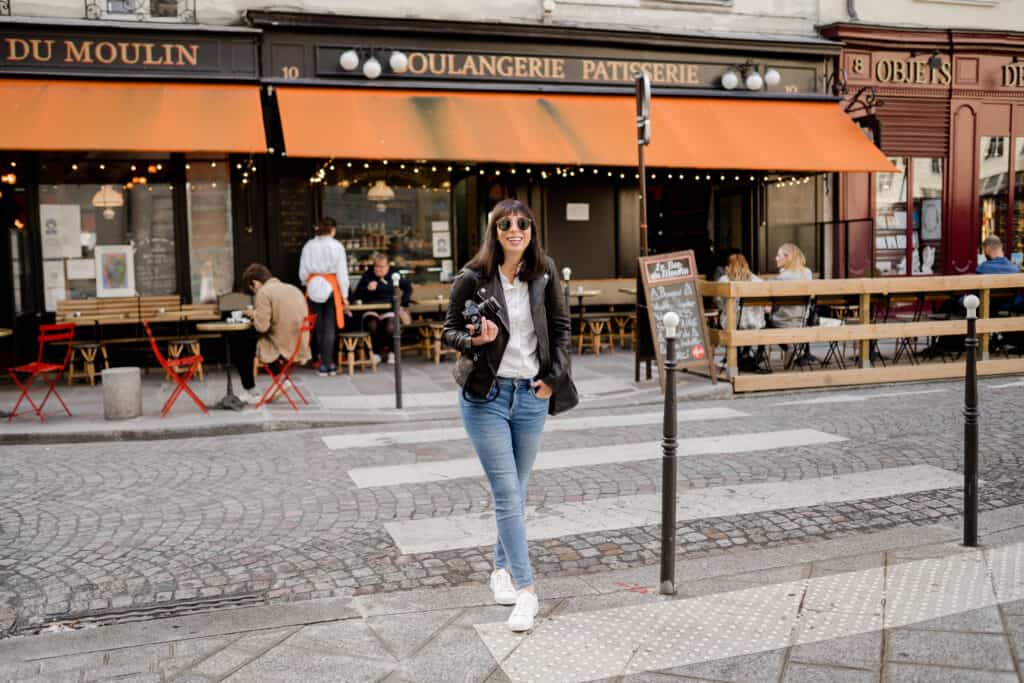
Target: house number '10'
pixel 289 72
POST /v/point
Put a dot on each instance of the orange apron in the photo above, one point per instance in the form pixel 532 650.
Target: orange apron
pixel 339 310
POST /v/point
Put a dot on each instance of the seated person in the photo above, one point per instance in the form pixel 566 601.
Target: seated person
pixel 748 317
pixel 375 286
pixel 276 320
pixel 791 262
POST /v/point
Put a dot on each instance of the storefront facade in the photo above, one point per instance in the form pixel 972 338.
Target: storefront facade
pixel 950 112
pixel 464 122
pixel 123 146
pixel 187 153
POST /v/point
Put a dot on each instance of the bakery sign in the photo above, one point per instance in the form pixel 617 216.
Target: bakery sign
pixel 686 72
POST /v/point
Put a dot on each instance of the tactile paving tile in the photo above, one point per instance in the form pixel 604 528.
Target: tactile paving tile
pixel 933 588
pixel 841 604
pixel 1006 565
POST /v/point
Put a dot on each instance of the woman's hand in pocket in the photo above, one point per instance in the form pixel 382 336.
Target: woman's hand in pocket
pixel 542 389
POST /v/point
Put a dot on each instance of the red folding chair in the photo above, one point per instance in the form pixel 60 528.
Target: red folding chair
pixel 285 374
pixel 178 369
pixel 50 372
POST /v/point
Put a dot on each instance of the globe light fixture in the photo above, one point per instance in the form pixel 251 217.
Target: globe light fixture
pixel 349 60
pixel 372 68
pixel 730 79
pixel 398 62
pixel 754 81
pixel 772 77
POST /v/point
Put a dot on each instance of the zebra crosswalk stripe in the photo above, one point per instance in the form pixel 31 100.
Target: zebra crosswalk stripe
pixel 560 424
pixel 567 519
pixel 393 475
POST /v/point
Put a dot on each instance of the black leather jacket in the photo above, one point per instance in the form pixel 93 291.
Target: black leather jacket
pixel 550 322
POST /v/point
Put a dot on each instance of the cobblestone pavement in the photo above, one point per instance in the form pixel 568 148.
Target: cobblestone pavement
pixel 111 531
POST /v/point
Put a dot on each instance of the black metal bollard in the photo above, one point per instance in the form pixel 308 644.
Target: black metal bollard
pixel 668 461
pixel 566 277
pixel 971 425
pixel 397 340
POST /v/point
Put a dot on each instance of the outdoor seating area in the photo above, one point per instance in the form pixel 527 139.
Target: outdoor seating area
pixel 881 330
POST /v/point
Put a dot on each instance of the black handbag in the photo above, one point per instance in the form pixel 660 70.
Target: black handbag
pixel 564 398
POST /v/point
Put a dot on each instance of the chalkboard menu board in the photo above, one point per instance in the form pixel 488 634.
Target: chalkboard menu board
pixel 295 226
pixel 670 284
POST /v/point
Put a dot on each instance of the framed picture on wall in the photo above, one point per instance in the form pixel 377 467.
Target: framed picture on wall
pixel 115 270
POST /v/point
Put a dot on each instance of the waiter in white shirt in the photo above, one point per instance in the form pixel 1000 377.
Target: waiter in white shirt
pixel 323 270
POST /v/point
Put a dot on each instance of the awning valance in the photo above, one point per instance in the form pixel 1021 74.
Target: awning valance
pixel 688 132
pixel 130 117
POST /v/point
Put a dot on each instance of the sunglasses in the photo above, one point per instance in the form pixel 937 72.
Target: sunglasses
pixel 521 223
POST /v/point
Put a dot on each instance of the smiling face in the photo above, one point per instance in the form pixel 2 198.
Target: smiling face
pixel 517 237
pixel 381 268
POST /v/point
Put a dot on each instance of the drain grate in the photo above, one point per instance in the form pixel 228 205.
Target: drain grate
pixel 159 610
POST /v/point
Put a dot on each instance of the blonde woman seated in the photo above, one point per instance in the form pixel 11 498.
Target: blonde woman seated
pixel 793 266
pixel 748 317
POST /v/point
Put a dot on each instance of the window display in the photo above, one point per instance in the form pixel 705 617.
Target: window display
pixel 122 204
pixel 403 212
pixel 993 187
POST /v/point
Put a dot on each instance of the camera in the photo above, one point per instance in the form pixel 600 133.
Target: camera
pixel 474 313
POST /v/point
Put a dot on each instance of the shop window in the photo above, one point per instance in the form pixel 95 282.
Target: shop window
pixel 405 213
pixel 107 227
pixel 926 236
pixel 210 242
pixel 792 217
pixel 993 188
pixel 917 184
pixel 891 220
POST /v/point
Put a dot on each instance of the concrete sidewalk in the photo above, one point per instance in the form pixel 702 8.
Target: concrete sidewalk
pixel 449 634
pixel 365 398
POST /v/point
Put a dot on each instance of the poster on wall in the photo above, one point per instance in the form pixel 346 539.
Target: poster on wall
pixel 61 230
pixel 54 285
pixel 931 219
pixel 81 269
pixel 442 245
pixel 115 271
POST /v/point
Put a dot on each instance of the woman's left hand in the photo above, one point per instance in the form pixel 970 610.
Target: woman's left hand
pixel 541 389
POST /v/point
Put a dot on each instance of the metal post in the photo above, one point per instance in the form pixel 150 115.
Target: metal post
pixel 643 137
pixel 971 425
pixel 566 277
pixel 643 200
pixel 397 341
pixel 668 461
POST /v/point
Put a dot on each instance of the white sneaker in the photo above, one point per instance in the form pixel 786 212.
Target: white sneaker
pixel 525 610
pixel 251 396
pixel 501 586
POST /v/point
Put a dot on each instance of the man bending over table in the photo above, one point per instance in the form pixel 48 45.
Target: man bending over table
pixel 276 320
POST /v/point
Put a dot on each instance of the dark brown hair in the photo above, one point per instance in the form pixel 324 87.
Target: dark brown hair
pixel 255 272
pixel 491 255
pixel 325 226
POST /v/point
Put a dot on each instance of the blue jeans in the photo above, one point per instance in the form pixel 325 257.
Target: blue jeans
pixel 506 435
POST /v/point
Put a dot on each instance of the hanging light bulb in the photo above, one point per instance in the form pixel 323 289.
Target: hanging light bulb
pixel 730 79
pixel 349 60
pixel 754 81
pixel 772 77
pixel 372 68
pixel 398 62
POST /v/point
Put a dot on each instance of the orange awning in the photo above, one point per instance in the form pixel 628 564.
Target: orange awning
pixel 687 132
pixel 130 117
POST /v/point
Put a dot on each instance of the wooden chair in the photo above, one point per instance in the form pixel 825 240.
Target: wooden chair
pixel 438 349
pixel 355 350
pixel 176 347
pixel 86 352
pixel 596 333
pixel 623 324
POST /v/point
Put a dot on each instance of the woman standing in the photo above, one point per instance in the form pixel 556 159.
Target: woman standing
pixel 517 361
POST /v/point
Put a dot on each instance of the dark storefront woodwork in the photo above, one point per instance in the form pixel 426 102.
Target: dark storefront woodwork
pixel 951 112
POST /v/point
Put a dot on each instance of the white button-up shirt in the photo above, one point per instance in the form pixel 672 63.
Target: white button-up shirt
pixel 323 254
pixel 520 359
